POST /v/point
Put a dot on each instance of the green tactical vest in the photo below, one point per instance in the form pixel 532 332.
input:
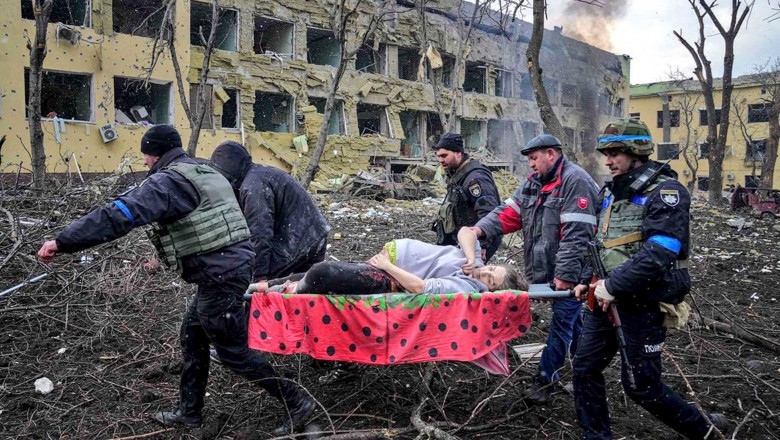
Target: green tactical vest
pixel 620 225
pixel 217 222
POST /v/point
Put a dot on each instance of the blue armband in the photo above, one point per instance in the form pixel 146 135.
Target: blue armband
pixel 120 205
pixel 667 242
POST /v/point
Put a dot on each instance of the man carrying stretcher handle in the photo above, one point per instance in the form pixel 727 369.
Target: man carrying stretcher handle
pixel 405 265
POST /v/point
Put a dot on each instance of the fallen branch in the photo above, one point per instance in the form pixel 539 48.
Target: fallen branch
pixel 147 435
pixel 741 424
pixel 738 332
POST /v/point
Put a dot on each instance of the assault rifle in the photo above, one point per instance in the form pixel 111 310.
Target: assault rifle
pixel 600 273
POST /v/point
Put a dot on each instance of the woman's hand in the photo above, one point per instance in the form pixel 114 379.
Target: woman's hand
pixel 468 267
pixel 381 260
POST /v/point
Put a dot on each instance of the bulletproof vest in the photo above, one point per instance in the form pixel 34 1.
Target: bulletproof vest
pixel 620 225
pixel 455 211
pixel 216 222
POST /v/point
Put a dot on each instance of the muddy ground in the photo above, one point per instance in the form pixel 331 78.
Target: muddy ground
pixel 105 332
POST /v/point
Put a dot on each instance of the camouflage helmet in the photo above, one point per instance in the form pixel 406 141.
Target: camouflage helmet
pixel 630 135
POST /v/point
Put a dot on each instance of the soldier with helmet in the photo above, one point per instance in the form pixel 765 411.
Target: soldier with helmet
pixel 643 231
pixel 555 208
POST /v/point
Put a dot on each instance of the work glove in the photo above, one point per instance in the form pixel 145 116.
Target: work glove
pixel 602 292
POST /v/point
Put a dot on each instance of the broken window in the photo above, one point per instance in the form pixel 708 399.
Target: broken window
pixel 226 37
pixel 412 145
pixel 70 12
pixel 703 116
pixel 668 151
pixel 471 130
pixel 230 109
pixel 137 17
pixel 444 74
pixel 323 48
pixel 372 120
pixel 136 103
pixel 500 137
pixel 569 95
pixel 703 184
pixel 273 112
pixel 505 83
pixel 759 112
pixel 474 80
pixel 274 37
pixel 370 60
pixel 63 95
pixel 528 130
pixel 208 117
pixel 674 118
pixel 433 129
pixel 551 86
pixel 408 63
pixel 755 150
pixel 704 150
pixel 526 89
pixel 635 115
pixel 337 123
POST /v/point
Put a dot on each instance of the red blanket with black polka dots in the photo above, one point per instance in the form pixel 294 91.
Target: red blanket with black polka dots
pixel 392 328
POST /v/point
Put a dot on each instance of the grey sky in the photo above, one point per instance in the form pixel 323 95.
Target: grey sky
pixel 644 32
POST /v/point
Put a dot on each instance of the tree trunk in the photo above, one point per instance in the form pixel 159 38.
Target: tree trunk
pixel 196 123
pixel 768 170
pixel 535 73
pixel 37 51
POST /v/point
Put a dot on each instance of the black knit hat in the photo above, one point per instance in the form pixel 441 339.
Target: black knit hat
pixel 159 140
pixel 451 141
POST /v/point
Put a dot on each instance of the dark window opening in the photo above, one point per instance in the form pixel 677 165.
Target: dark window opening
pixel 230 109
pixel 226 37
pixel 138 17
pixel 370 60
pixel 372 120
pixel 208 117
pixel 759 112
pixel 471 130
pixel 704 150
pixel 337 122
pixel 636 116
pixel 322 47
pixel 551 86
pixel 752 181
pixel 70 12
pixel 526 89
pixel 273 112
pixel 755 150
pixel 528 130
pixel 63 95
pixel 474 80
pixel 273 37
pixel 500 136
pixel 703 184
pixel 408 63
pixel 674 118
pixel 703 116
pixel 433 128
pixel 135 103
pixel 505 84
pixel 668 151
pixel 412 145
pixel 569 95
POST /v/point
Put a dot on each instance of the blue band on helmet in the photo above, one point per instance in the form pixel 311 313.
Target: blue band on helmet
pixel 125 210
pixel 625 137
pixel 670 243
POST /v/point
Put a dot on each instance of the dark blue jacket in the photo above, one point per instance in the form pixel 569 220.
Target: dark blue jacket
pixel 164 197
pixel 282 217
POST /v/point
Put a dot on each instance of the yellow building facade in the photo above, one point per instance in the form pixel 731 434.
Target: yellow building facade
pixel 686 133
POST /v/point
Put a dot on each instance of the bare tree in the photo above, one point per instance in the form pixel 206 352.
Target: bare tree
pixel 343 18
pixel 37 49
pixel 740 118
pixel 166 39
pixel 716 136
pixel 769 78
pixel 687 103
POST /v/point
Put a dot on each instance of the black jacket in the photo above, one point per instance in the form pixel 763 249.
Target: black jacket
pixel 165 196
pixel 282 217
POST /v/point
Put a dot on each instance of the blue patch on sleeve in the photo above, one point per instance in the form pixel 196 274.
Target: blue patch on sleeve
pixel 639 200
pixel 670 243
pixel 606 202
pixel 122 207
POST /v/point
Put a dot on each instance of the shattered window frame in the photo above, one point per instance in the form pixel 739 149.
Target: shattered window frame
pixel 408 71
pixel 500 143
pixel 208 117
pixel 235 98
pixel 315 35
pixel 475 78
pixel 703 150
pixel 433 127
pixel 151 22
pixel 278 124
pixel 674 118
pixel 385 130
pixel 703 183
pixel 63 97
pixel 668 150
pixel 338 112
pixel 758 113
pixel 414 149
pixel 379 58
pixel 288 26
pixel 703 116
pixel 755 150
pixel 468 136
pixel 58 13
pixel 502 77
pixel 155 92
pixel 223 25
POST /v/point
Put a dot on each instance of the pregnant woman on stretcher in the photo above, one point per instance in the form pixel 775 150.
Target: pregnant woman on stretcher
pixel 404 265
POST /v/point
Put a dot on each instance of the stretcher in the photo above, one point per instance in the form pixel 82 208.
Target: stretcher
pixel 394 328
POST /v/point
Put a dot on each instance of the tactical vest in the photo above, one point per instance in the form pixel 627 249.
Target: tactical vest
pixel 217 222
pixel 620 226
pixel 455 211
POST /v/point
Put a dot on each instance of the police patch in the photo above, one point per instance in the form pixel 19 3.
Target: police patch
pixel 670 196
pixel 475 190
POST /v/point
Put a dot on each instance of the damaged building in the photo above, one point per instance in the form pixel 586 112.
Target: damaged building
pixel 271 73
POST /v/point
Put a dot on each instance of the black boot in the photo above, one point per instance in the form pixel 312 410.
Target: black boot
pixel 176 418
pixel 300 406
pixel 539 392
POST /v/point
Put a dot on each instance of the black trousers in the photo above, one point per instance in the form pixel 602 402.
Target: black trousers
pixel 645 337
pixel 315 255
pixel 218 315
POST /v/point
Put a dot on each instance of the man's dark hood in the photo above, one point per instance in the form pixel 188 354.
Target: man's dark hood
pixel 233 161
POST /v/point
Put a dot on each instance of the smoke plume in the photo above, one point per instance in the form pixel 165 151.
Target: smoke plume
pixel 592 21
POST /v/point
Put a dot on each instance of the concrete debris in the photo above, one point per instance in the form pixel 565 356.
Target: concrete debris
pixel 739 223
pixel 44 385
